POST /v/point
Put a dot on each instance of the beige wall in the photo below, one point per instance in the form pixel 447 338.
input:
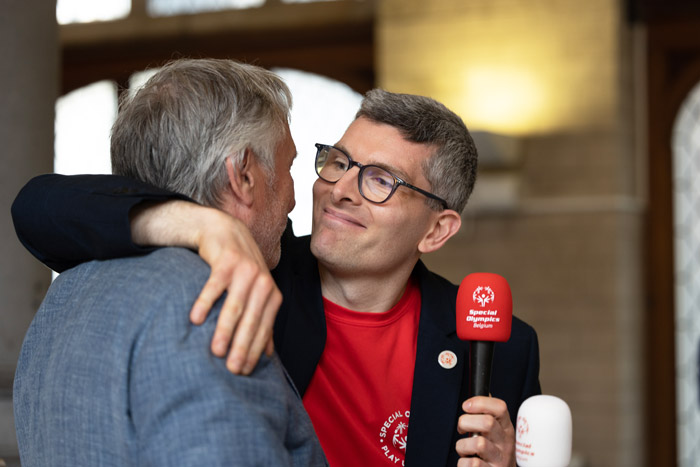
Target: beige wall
pixel 558 76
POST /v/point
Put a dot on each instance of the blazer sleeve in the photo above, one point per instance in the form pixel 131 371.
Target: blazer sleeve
pixel 67 220
pixel 516 367
pixel 532 387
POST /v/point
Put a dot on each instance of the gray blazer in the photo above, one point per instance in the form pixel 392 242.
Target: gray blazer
pixel 98 386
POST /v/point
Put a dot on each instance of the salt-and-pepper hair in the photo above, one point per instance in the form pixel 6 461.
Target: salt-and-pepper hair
pixel 178 129
pixel 451 170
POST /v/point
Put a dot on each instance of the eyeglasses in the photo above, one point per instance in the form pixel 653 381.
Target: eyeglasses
pixel 375 183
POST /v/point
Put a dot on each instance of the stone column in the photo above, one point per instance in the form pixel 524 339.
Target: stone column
pixel 29 64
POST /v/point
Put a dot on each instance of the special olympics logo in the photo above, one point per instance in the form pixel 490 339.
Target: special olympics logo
pixel 393 437
pixel 399 438
pixel 483 295
pixel 523 427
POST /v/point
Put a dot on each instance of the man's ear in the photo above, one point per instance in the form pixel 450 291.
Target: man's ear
pixel 241 178
pixel 444 226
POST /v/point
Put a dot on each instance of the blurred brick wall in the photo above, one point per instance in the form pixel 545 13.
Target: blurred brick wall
pixel 570 244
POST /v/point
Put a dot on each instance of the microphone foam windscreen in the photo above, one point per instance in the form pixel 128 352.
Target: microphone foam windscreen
pixel 484 308
pixel 543 433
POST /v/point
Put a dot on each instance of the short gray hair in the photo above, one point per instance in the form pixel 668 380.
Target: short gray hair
pixel 451 170
pixel 177 130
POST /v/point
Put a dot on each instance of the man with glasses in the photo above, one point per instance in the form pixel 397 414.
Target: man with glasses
pixel 365 330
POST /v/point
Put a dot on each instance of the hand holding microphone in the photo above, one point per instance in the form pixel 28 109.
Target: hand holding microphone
pixel 484 316
pixel 544 428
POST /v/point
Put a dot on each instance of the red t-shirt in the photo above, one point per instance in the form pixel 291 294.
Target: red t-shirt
pixel 359 398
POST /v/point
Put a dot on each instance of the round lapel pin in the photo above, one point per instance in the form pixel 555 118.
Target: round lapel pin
pixel 447 359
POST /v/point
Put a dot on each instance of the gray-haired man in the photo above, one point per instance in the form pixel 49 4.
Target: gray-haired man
pixel 111 370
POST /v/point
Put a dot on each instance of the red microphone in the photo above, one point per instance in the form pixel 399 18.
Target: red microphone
pixel 484 316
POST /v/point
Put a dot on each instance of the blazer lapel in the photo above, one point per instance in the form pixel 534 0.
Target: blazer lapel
pixel 438 392
pixel 300 329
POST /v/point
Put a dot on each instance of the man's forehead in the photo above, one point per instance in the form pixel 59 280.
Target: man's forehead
pixel 386 148
pixel 287 145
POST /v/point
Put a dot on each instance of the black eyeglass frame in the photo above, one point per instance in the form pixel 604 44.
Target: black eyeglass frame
pixel 351 163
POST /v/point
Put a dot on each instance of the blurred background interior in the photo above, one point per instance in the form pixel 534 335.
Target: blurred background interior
pixel 586 116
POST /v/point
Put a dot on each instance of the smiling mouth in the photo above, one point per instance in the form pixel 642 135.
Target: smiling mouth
pixel 341 217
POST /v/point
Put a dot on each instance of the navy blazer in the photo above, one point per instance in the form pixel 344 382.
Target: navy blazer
pixel 66 220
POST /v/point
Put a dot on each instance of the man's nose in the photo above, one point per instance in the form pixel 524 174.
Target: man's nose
pixel 347 186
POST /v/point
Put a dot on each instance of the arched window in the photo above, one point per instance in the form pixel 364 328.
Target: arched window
pixel 84 118
pixel 686 182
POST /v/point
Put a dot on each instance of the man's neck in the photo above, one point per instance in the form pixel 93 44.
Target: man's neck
pixel 367 293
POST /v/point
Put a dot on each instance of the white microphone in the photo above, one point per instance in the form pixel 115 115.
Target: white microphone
pixel 543 433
